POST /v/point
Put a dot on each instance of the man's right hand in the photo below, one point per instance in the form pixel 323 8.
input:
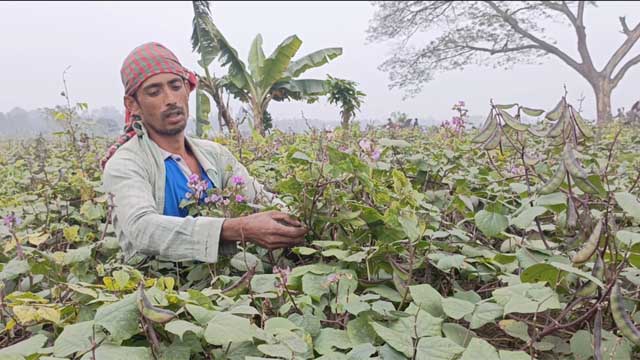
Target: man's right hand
pixel 270 230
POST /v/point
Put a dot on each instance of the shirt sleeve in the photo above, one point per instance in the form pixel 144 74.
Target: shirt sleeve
pixel 142 229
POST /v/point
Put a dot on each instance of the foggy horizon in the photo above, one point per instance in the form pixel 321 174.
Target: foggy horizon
pixel 94 38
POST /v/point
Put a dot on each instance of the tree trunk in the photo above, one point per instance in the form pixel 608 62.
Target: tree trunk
pixel 345 121
pixel 223 110
pixel 257 119
pixel 602 89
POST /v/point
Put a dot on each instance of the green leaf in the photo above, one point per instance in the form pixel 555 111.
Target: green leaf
pixel 224 328
pixel 256 58
pixel 313 285
pixel 541 272
pixel 485 313
pixel 119 318
pixel 111 351
pixel 201 314
pixel 77 255
pixel 515 328
pixel 360 331
pixel 629 203
pixel 277 63
pixel 210 43
pixel 409 223
pixel 628 238
pixel 386 292
pixel 24 348
pixel 14 268
pixel 203 108
pixel 456 308
pixel 312 60
pixel 526 217
pixel 386 142
pixel 571 269
pixel 362 352
pixel 491 223
pixel 330 338
pixel 480 349
pixel 276 350
pixel 458 333
pixel 396 339
pixel 581 345
pixel 437 348
pixel 76 338
pixel 427 298
pixel 179 327
pixel 241 260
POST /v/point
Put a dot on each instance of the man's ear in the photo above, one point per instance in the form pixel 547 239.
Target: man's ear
pixel 131 104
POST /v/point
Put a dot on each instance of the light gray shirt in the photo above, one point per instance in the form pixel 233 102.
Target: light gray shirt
pixel 136 176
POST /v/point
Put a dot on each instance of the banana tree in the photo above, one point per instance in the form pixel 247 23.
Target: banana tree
pixel 203 41
pixel 265 78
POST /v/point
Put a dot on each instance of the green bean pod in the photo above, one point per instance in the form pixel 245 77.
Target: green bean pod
pixel 555 181
pixel 151 312
pixel 589 246
pixel 590 287
pixel 622 318
pixel 241 285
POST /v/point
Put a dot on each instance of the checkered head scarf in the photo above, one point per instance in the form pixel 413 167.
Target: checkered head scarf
pixel 143 62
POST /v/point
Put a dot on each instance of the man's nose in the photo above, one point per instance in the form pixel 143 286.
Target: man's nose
pixel 171 98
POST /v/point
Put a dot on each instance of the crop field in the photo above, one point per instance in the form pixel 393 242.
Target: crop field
pixel 516 240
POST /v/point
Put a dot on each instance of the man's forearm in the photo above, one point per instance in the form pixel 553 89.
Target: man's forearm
pixel 232 230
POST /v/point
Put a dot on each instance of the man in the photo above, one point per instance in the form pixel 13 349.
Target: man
pixel 147 171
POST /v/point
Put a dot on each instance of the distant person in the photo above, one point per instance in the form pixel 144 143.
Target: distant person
pixel 147 170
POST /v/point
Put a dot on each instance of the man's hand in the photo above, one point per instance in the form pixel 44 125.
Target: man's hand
pixel 270 230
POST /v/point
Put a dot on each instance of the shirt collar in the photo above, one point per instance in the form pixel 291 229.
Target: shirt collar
pixel 166 154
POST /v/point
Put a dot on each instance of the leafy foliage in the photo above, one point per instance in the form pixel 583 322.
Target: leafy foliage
pixel 422 245
pixel 275 77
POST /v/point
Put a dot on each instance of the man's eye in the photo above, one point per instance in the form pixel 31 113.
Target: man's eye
pixel 153 93
pixel 176 86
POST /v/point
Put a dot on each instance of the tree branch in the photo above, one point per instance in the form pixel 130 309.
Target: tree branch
pixel 502 50
pixel 632 38
pixel 543 44
pixel 625 27
pixel 581 12
pixel 633 61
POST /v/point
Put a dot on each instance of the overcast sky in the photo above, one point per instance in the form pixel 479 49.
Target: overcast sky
pixel 40 39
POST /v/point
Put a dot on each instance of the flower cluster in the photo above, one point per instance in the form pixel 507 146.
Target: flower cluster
pixel 220 202
pixel 196 186
pixel 367 146
pixel 237 180
pixel 457 123
pixel 11 221
pixel 517 170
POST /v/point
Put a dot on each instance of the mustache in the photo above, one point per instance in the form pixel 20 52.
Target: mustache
pixel 178 110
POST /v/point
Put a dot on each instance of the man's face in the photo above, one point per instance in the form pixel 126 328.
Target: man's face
pixel 163 103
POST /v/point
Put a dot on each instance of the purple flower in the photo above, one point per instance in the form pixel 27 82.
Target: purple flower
pixel 226 202
pixel 332 278
pixel 239 198
pixel 461 103
pixel 11 220
pixel 365 144
pixel 198 187
pixel 237 180
pixel 193 179
pixel 376 154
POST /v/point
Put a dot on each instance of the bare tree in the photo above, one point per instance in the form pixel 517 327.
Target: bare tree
pixel 503 32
